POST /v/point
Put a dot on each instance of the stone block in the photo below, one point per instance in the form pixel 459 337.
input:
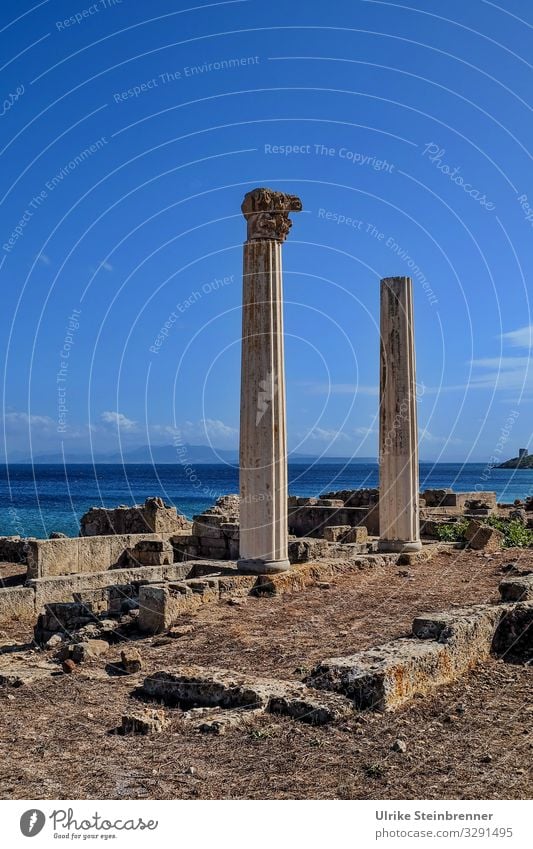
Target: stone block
pixel 17 603
pixel 84 651
pixel 191 686
pixel 335 533
pixel 149 722
pixel 517 589
pixel 483 538
pixel 160 605
pixel 513 639
pixel 358 534
pixel 385 677
pixel 131 660
pixel 52 557
pixel 153 552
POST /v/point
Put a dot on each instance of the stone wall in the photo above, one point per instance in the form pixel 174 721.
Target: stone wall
pixel 460 501
pixel 214 534
pixel 310 517
pixel 72 555
pixel 154 516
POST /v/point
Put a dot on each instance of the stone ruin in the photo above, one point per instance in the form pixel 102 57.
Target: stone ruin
pixel 153 517
pixel 143 567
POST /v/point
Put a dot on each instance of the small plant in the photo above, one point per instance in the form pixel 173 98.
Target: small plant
pixel 374 770
pixel 453 532
pixel 516 535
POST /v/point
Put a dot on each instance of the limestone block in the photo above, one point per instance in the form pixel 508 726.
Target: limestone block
pixel 514 636
pixel 335 533
pixel 212 687
pixel 359 534
pixel 149 722
pixel 17 603
pixel 131 660
pixel 385 677
pixel 517 589
pixel 483 537
pixel 52 557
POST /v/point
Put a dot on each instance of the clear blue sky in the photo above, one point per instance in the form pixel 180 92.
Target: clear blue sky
pixel 131 131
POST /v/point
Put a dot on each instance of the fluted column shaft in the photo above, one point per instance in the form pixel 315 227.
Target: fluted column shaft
pixel 263 438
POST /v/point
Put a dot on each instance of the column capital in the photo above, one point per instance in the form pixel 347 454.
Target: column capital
pixel 267 214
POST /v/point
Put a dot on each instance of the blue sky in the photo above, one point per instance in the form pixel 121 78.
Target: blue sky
pixel 130 133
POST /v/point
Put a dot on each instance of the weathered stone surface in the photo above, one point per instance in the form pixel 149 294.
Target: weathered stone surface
pixel 86 650
pixel 69 556
pixel 62 618
pixel 336 533
pixel 154 516
pixel 161 604
pixel 17 603
pixel 352 497
pixel 358 534
pixel 102 590
pixel 267 214
pixel 517 589
pixel 311 520
pixel 131 660
pixel 263 438
pixel 385 677
pixel 398 429
pixel 154 552
pixel 483 537
pixel 149 722
pixel 212 687
pixel 513 639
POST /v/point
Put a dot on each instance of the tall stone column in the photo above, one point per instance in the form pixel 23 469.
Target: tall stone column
pixel 398 431
pixel 263 438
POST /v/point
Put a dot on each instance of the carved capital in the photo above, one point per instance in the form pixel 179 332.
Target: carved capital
pixel 267 214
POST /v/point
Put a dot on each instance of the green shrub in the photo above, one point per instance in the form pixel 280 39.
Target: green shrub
pixel 454 532
pixel 515 534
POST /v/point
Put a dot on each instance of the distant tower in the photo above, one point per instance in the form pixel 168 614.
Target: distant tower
pixel 522 452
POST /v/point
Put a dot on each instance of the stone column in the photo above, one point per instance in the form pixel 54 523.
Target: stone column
pixel 263 440
pixel 398 431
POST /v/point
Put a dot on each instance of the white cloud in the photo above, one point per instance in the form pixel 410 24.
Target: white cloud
pixel 118 419
pixel 14 421
pixel 364 431
pixel 521 338
pixel 106 266
pixel 322 434
pixel 44 259
pixel 215 427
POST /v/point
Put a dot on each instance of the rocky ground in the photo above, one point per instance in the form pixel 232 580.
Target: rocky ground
pixel 471 739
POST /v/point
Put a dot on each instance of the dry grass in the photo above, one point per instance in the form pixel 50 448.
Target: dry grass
pixel 470 740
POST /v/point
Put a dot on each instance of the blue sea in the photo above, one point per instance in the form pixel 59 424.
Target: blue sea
pixel 37 500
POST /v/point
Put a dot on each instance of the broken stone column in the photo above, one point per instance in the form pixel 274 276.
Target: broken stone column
pixel 263 440
pixel 398 434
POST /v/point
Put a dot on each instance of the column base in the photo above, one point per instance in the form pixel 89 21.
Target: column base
pixel 263 567
pixel 394 546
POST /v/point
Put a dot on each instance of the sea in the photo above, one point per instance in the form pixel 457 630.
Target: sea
pixel 36 500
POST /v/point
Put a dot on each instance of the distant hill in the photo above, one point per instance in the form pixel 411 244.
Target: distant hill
pixel 518 463
pixel 193 454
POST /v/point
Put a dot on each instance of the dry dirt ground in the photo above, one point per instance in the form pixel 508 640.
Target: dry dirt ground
pixel 471 739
